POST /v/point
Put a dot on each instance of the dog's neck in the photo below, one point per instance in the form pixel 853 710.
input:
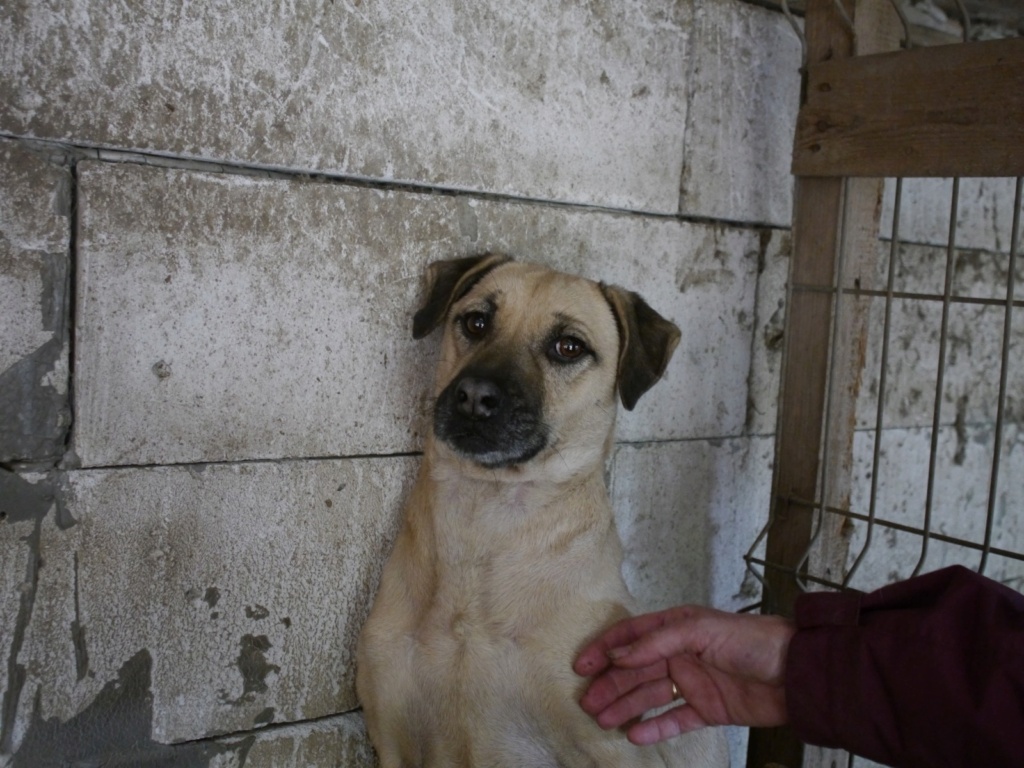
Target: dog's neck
pixel 493 542
pixel 483 529
pixel 471 493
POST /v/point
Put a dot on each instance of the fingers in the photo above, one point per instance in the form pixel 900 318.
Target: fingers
pixel 617 684
pixel 730 669
pixel 659 644
pixel 745 646
pixel 634 703
pixel 681 719
pixel 593 659
pixel 640 691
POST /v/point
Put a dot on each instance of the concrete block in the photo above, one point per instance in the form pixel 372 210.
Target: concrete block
pixel 223 317
pixel 960 502
pixel 984 212
pixel 226 597
pixel 973 348
pixel 555 100
pixel 687 512
pixel 34 243
pixel 338 741
pixel 226 317
pixel 703 278
pixel 744 84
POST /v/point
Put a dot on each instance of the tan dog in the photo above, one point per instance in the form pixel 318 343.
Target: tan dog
pixel 508 560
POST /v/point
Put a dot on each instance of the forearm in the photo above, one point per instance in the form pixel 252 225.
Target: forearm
pixel 926 672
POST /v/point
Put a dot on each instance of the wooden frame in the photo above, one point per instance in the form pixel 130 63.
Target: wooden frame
pixel 820 207
pixel 955 110
pixel 867 114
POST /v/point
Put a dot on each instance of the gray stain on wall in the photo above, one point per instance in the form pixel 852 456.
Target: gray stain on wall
pixel 253 665
pixel 21 501
pixel 114 730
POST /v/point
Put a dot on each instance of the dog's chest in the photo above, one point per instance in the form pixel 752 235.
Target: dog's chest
pixel 507 572
pixel 489 622
pixel 481 605
pixel 514 583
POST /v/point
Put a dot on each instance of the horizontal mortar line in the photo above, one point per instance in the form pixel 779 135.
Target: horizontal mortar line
pixel 809 577
pixel 201 465
pixel 822 581
pixel 944 425
pixel 153 158
pixel 267 729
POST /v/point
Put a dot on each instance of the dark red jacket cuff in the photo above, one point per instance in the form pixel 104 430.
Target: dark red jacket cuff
pixel 925 672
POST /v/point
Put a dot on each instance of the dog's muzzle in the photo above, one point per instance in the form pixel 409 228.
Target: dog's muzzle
pixel 490 419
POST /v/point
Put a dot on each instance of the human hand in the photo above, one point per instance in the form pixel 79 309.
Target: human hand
pixel 728 667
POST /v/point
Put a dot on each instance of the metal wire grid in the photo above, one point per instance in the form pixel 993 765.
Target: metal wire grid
pixel 854 524
pixel 971 551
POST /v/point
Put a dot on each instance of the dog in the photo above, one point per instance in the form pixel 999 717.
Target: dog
pixel 508 560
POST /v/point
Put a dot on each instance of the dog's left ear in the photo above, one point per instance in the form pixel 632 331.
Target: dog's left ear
pixel 647 341
pixel 447 282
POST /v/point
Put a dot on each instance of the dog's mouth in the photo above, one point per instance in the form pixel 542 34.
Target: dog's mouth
pixel 492 422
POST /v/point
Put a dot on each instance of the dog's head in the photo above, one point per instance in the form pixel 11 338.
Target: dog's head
pixel 532 360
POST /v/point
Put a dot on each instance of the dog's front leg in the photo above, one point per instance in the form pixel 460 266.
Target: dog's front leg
pixel 387 723
pixel 385 669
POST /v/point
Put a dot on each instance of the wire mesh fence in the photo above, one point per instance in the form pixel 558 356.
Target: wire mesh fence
pixel 900 447
pixel 938 443
pixel 935 409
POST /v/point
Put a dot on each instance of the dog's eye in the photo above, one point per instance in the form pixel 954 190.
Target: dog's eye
pixel 475 324
pixel 568 348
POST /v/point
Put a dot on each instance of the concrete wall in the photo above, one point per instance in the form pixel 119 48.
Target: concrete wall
pixel 214 223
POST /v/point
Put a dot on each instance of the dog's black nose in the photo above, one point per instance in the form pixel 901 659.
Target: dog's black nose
pixel 477 398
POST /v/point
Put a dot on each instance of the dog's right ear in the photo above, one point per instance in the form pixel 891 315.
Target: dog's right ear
pixel 447 282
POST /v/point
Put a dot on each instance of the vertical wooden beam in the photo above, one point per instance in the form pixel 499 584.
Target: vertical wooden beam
pixel 820 205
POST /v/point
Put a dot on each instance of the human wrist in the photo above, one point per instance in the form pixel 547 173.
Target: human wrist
pixel 780 634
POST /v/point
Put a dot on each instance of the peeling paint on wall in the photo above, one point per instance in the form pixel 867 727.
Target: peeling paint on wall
pixel 21 501
pixel 245 589
pixel 33 412
pixel 252 663
pixel 114 730
pixel 34 294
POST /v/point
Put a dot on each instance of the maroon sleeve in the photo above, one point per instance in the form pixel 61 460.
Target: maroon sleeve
pixel 925 672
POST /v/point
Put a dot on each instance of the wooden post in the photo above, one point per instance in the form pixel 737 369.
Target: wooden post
pixel 821 206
